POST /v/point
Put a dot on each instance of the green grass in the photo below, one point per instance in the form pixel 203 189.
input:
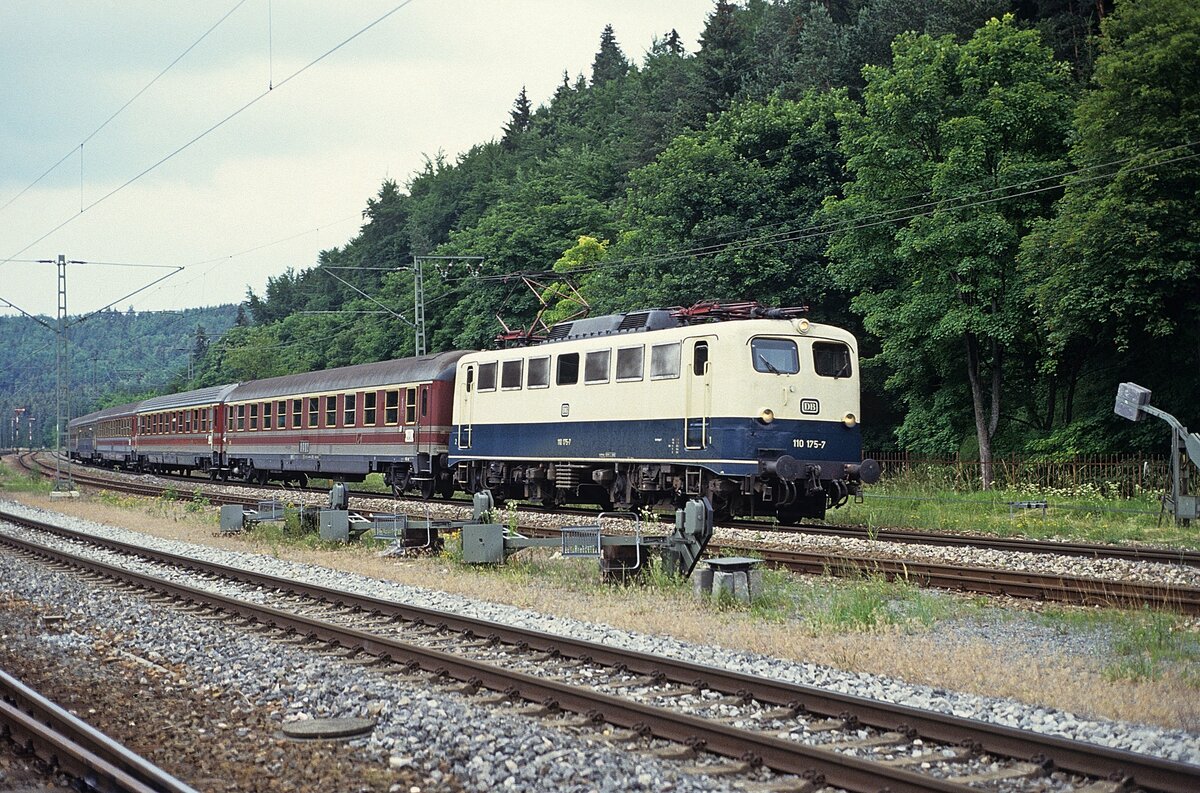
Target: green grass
pixel 1145 645
pixel 1082 513
pixel 22 482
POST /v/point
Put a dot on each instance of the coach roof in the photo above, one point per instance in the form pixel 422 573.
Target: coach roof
pixel 352 378
pixel 115 412
pixel 188 399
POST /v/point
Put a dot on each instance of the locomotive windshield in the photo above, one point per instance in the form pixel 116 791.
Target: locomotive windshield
pixel 831 359
pixel 777 356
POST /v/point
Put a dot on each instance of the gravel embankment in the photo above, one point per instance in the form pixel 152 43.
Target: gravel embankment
pixel 1178 745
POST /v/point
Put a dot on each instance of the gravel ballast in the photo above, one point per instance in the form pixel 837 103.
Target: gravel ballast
pixel 1177 745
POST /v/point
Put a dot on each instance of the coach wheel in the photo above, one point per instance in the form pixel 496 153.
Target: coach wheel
pixel 446 487
pixel 302 480
pixel 428 487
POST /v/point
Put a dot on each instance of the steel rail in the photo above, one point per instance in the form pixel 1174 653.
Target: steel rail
pixel 788 757
pixel 1091 760
pixel 994 581
pixel 80 750
pixel 1182 556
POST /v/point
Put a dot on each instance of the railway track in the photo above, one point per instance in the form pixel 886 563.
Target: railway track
pixel 38 726
pixel 1183 556
pixel 807 737
pixel 1077 590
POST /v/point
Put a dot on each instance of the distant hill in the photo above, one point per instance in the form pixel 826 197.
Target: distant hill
pixel 114 357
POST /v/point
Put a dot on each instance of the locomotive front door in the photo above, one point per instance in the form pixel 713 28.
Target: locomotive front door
pixel 466 409
pixel 697 392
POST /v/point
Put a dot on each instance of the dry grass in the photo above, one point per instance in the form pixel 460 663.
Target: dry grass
pixel 1073 682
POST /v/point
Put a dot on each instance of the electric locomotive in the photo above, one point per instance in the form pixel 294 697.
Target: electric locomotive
pixel 756 409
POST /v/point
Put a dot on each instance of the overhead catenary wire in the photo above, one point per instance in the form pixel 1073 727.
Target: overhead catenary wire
pixel 116 113
pixel 217 125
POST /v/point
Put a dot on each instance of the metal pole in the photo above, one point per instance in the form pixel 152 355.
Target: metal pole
pixel 63 378
pixel 418 308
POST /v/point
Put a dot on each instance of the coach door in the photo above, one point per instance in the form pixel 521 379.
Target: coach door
pixel 466 408
pixel 697 390
pixel 424 431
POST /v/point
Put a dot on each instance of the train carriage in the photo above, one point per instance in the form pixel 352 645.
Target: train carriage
pixel 760 415
pixel 105 437
pixel 391 417
pixel 183 432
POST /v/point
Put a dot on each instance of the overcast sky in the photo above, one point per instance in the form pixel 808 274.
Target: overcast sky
pixel 300 163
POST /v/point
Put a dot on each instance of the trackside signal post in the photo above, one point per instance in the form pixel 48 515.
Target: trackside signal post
pixel 1133 402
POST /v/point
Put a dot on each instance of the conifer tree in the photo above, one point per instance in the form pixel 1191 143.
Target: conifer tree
pixel 610 62
pixel 519 118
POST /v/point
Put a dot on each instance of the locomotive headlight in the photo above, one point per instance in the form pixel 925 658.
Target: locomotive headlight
pixel 849 419
pixel 802 325
pixel 766 415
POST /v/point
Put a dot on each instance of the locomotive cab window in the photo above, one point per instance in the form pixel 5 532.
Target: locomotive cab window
pixel 568 369
pixel 831 359
pixel 629 363
pixel 487 376
pixel 664 361
pixel 777 356
pixel 510 375
pixel 538 373
pixel 595 366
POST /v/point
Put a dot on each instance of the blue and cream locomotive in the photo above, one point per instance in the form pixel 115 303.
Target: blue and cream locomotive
pixel 757 409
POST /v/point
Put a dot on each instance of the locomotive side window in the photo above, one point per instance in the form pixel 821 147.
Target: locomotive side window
pixel 568 369
pixel 410 406
pixel 313 411
pixel 629 363
pixel 391 407
pixel 348 409
pixel 595 366
pixel 831 359
pixel 700 358
pixel 330 410
pixel 487 376
pixel 777 356
pixel 664 361
pixel 539 373
pixel 510 375
pixel 369 399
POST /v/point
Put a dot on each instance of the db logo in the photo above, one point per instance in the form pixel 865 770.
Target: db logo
pixel 810 406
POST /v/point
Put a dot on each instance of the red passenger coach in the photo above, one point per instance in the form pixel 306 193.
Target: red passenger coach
pixel 391 417
pixel 105 437
pixel 183 432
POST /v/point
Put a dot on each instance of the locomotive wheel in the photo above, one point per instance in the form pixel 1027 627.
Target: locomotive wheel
pixel 428 487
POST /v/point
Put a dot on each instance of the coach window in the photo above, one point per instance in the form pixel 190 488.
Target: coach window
pixel 664 361
pixel 410 406
pixel 777 356
pixel 700 358
pixel 241 425
pixel 391 407
pixel 568 369
pixel 629 363
pixel 254 416
pixel 314 411
pixel 230 418
pixel 330 410
pixel 487 376
pixel 425 401
pixel 369 399
pixel 281 415
pixel 510 375
pixel 267 416
pixel 595 366
pixel 187 421
pixel 538 375
pixel 831 359
pixel 297 413
pixel 349 406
